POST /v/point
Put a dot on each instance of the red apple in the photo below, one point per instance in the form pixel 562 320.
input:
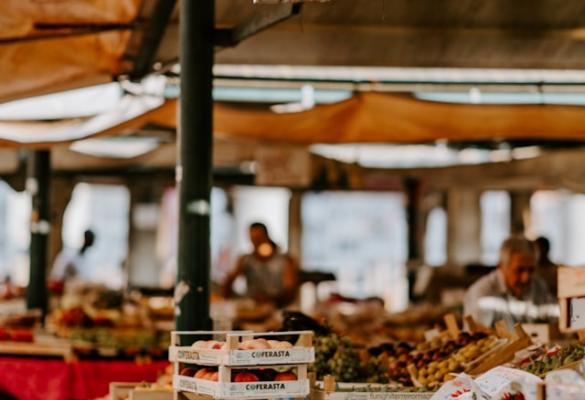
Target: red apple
pixel 188 372
pixel 202 373
pixel 266 374
pixel 246 377
pixel 286 376
pixel 21 335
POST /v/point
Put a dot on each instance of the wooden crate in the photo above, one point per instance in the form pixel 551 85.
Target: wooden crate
pixel 302 352
pixel 330 390
pixel 132 391
pixel 571 295
pixel 518 340
pixel 151 394
pixel 37 349
pixel 230 358
pixel 225 389
pixel 120 390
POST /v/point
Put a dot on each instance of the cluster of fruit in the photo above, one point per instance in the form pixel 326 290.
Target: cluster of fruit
pixel 337 355
pixel 555 359
pixel 76 317
pixel 439 370
pixel 513 396
pixel 423 355
pixel 241 375
pixel 118 342
pixel 253 344
pixel 16 334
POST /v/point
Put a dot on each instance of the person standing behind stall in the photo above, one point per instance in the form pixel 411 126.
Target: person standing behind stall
pixel 546 269
pixel 71 264
pixel 513 292
pixel 271 276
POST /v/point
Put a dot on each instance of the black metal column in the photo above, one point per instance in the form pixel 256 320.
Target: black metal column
pixel 412 187
pixel 38 184
pixel 194 171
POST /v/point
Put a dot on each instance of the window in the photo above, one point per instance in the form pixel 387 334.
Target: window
pixel 560 217
pixel 105 210
pixel 362 238
pixel 495 224
pixel 268 205
pixel 436 237
pixel 229 226
pixel 15 209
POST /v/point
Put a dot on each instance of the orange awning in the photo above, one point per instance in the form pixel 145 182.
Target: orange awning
pixel 365 118
pixel 385 118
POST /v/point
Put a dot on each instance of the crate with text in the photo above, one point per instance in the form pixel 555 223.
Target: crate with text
pixel 244 382
pixel 242 348
pixel 571 295
pixel 242 365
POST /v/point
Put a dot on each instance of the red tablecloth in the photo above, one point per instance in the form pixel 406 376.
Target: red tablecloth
pixel 32 379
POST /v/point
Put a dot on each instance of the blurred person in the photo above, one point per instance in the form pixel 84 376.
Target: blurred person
pixel 513 292
pixel 546 269
pixel 71 264
pixel 271 276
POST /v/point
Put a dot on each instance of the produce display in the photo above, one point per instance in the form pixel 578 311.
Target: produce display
pixel 241 375
pixel 252 344
pixel 244 365
pixel 553 359
pixel 17 335
pixel 337 356
pixel 451 358
pixel 426 364
pixel 19 327
pixel 99 322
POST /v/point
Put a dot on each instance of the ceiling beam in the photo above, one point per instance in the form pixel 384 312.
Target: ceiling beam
pixel 357 45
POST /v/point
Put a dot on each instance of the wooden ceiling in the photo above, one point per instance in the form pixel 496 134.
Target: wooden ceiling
pixel 544 34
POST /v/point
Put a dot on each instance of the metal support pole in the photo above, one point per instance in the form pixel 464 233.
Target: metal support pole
pixel 38 181
pixel 412 188
pixel 295 225
pixel 194 171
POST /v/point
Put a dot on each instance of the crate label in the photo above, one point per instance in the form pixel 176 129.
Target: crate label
pixel 187 355
pixel 243 389
pixel 272 356
pixel 265 388
pixel 185 384
pixel 577 313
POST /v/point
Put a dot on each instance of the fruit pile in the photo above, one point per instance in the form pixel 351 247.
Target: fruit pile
pixel 337 355
pixel 424 359
pixel 118 342
pixel 554 359
pixel 254 344
pixel 435 373
pixel 241 375
pixel 513 396
pixel 16 335
pixel 429 362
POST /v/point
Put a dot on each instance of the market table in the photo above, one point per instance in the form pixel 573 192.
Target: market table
pixel 50 379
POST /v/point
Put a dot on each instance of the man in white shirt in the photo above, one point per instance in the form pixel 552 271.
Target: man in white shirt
pixel 71 264
pixel 513 292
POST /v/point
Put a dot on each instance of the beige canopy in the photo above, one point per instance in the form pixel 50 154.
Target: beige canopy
pixel 364 118
pixel 49 46
pixel 384 118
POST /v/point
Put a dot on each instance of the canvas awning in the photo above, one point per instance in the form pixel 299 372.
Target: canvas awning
pixel 383 118
pixel 50 46
pixel 364 118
